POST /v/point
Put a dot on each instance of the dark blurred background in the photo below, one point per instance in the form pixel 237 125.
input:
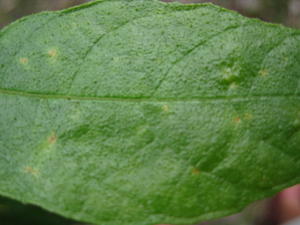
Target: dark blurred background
pixel 281 209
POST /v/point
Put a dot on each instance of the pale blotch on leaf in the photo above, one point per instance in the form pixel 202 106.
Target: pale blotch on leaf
pixel 30 170
pixel 296 123
pixel 228 77
pixel 263 72
pixel 233 86
pixel 195 171
pixel 23 60
pixel 231 73
pixel 75 115
pixel 52 53
pixel 248 116
pixel 165 108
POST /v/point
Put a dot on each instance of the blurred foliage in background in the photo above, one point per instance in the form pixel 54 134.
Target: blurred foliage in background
pixel 279 11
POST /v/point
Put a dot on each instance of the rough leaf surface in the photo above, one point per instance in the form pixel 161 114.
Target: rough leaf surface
pixel 141 112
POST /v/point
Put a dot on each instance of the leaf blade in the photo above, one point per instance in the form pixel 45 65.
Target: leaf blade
pixel 142 113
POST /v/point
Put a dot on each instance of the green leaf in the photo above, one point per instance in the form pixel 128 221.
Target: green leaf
pixel 142 112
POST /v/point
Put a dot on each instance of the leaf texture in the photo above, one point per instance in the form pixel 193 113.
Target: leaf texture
pixel 142 112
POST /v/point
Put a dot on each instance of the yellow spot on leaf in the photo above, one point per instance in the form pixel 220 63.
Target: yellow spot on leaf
pixel 52 52
pixel 237 120
pixel 23 60
pixel 29 169
pixel 52 138
pixel 195 171
pixel 263 72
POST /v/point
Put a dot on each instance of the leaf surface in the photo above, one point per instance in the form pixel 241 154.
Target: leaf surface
pixel 142 112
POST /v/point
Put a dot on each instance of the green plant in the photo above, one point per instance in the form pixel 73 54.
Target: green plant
pixel 141 112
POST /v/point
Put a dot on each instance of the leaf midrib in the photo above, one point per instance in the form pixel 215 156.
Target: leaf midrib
pixel 144 98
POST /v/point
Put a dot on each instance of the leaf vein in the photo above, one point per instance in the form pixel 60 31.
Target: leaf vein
pixel 143 98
